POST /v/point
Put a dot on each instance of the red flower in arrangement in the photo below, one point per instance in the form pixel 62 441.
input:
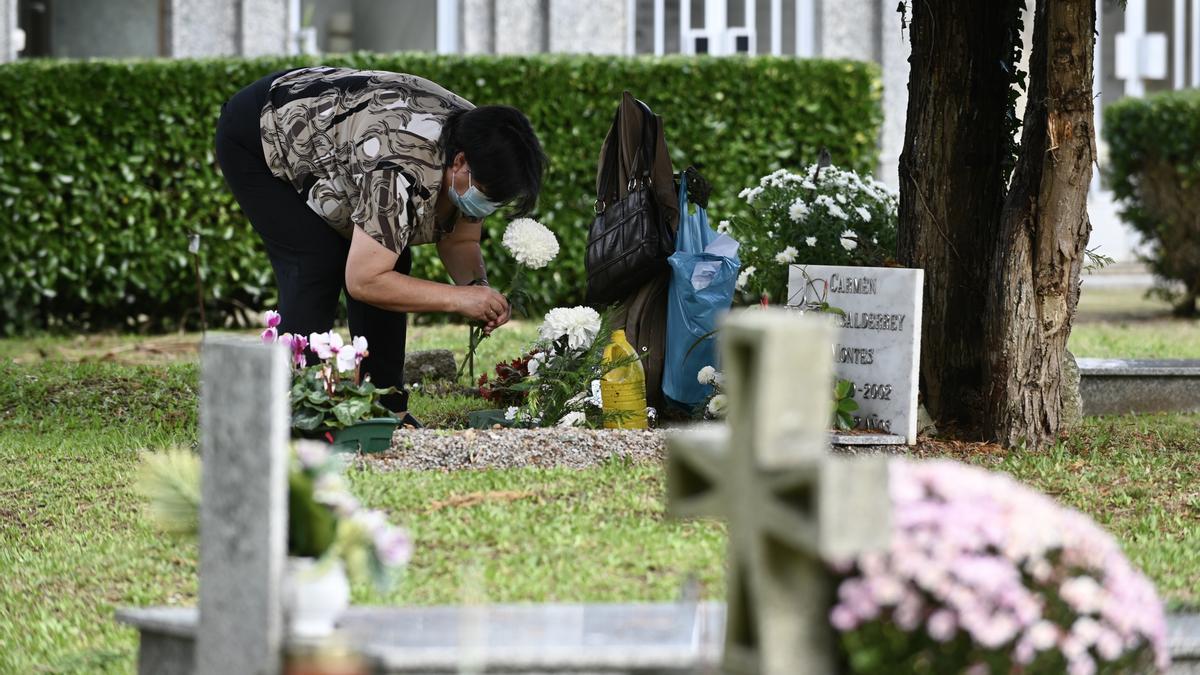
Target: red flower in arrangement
pixel 499 391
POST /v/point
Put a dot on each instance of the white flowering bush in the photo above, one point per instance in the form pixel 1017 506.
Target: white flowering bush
pixel 828 216
pixel 985 575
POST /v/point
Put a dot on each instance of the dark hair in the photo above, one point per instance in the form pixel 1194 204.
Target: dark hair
pixel 503 151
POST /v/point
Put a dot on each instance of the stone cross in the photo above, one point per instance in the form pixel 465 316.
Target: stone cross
pixel 789 504
pixel 244 428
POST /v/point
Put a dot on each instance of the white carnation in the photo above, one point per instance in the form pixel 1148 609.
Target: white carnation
pixel 849 240
pixel 717 405
pixel 810 241
pixel 579 324
pixel 530 243
pixel 744 277
pixel 787 256
pixel 706 375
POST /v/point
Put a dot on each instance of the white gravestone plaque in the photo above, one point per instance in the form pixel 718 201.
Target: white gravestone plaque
pixel 878 343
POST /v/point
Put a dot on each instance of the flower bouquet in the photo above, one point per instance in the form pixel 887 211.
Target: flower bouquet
pixel 984 575
pixel 532 247
pixel 565 367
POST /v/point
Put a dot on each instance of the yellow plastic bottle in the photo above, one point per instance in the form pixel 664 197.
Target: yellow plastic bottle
pixel 623 390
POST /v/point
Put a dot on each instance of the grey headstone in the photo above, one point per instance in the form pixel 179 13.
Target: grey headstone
pixel 430 365
pixel 1071 408
pixel 878 345
pixel 244 428
pixel 788 502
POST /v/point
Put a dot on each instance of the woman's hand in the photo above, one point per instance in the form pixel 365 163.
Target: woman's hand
pixel 482 304
pixel 493 325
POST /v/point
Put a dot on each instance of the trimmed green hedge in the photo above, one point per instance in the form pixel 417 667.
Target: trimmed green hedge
pixel 106 166
pixel 1154 167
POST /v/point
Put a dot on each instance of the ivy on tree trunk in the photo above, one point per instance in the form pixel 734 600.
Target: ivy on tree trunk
pixel 1043 231
pixel 1001 261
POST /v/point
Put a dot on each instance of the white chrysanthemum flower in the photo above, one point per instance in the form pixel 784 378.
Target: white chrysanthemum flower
pixel 787 256
pixel 511 413
pixel 579 324
pixel 724 227
pixel 810 241
pixel 717 405
pixel 744 277
pixel 530 243
pixel 837 212
pixel 863 213
pixel 573 419
pixel 706 375
pixel 841 198
pixel 536 362
pixel 798 211
pixel 849 240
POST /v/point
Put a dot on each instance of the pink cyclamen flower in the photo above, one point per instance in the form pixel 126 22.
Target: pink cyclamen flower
pixel 272 318
pixel 270 335
pixel 325 344
pixel 298 345
pixel 347 359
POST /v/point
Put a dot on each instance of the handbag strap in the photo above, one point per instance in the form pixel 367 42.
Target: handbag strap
pixel 644 161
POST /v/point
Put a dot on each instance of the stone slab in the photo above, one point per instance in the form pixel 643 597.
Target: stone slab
pixel 601 638
pixel 878 344
pixel 868 439
pixel 245 424
pixel 605 638
pixel 1121 386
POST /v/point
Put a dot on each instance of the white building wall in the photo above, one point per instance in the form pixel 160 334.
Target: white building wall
pixel 8 26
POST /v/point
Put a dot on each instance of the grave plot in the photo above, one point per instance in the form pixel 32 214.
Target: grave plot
pixel 806 530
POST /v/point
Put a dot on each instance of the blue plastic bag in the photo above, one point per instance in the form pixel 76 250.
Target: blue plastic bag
pixel 704 269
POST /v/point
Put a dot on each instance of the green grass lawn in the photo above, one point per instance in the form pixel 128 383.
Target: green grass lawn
pixel 74 544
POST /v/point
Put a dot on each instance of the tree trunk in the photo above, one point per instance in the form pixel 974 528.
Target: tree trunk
pixel 953 172
pixel 1044 229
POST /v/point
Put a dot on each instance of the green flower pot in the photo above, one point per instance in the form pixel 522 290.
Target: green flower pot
pixel 368 436
pixel 486 419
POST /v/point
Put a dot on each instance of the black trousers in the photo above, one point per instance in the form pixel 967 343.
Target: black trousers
pixel 307 255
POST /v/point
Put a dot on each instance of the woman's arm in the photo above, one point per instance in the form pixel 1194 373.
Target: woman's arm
pixel 460 254
pixel 463 260
pixel 371 278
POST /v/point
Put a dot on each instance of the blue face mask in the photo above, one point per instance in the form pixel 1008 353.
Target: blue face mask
pixel 472 203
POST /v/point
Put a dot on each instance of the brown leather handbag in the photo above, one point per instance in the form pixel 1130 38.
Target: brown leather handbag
pixel 630 239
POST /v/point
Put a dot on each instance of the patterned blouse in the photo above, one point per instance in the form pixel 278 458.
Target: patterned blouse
pixel 363 148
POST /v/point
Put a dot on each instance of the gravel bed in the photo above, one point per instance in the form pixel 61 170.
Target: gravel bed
pixel 426 449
